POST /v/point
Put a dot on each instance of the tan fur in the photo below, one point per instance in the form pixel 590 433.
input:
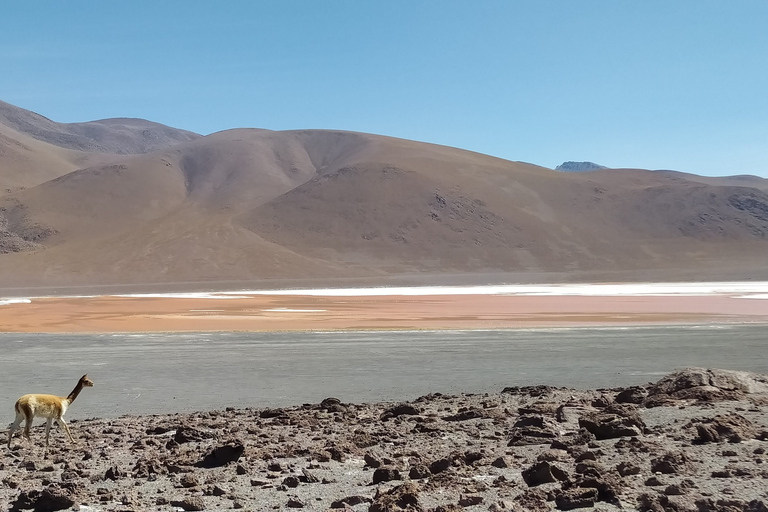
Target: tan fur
pixel 51 407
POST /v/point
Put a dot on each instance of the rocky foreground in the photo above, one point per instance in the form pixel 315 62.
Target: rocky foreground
pixel 694 441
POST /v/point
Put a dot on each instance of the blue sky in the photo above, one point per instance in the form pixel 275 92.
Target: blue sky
pixel 653 84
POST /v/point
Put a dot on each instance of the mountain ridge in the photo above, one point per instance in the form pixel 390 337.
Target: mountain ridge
pixel 115 135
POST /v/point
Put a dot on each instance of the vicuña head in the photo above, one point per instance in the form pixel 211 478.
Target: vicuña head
pixel 51 407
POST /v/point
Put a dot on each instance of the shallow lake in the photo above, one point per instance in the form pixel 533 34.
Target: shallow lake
pixel 179 372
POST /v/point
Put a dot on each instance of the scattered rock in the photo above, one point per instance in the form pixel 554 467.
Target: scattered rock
pixel 731 427
pixel 633 395
pixel 419 471
pixel 186 434
pixel 402 497
pixel 292 458
pixel 576 497
pixel 671 464
pixel 189 480
pixel 532 430
pixel 221 455
pixel 371 461
pixel 385 475
pixel 627 468
pixel 399 410
pixel 501 462
pixel 439 466
pixel 194 503
pixel 50 499
pixel 273 413
pixel 295 503
pixel 542 473
pixel 613 422
pixel 470 500
pixel 470 413
pixel 350 501
pixel 291 481
pixel 114 473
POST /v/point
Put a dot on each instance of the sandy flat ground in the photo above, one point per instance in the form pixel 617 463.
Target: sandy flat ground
pixel 274 311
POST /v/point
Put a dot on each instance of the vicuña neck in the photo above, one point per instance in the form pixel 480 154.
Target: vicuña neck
pixel 75 392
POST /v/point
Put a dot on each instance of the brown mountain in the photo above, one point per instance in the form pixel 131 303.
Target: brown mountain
pixel 245 205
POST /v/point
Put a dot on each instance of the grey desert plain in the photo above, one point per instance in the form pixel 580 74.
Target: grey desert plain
pixel 129 201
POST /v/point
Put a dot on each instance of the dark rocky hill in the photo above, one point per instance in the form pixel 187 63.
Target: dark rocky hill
pixel 578 167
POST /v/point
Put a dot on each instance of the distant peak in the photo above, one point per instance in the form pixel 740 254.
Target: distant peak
pixel 579 167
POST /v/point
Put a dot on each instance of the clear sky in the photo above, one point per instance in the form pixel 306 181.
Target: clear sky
pixel 653 84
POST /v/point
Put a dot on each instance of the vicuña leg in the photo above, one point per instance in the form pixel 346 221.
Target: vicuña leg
pixel 14 427
pixel 47 431
pixel 66 429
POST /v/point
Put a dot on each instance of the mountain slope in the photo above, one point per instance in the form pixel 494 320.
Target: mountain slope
pixel 252 204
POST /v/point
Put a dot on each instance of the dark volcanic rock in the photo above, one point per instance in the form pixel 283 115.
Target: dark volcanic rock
pixel 400 410
pixel 351 501
pixel 419 471
pixel 114 473
pixel 470 413
pixel 501 462
pixel 402 497
pixel 533 391
pixel 49 499
pixel 543 473
pixel 439 466
pixel 470 500
pixel 576 497
pixel 627 468
pixel 291 481
pixel 532 430
pixel 731 505
pixel 273 413
pixel 608 487
pixel 633 395
pixel 614 421
pixel 295 503
pixel 385 475
pixel 188 434
pixel 371 461
pixel 189 480
pixel 221 455
pixel 671 464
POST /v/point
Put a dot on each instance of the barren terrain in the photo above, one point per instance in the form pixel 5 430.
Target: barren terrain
pixel 695 441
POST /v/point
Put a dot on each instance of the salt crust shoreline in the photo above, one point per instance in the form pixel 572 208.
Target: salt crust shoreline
pixel 738 289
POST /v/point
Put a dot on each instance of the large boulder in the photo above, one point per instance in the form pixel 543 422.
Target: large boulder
pixel 681 381
pixel 618 420
pixel 730 427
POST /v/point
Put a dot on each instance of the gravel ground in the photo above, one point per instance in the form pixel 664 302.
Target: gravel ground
pixel 697 440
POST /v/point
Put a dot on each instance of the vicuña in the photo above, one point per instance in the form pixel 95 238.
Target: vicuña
pixel 51 407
